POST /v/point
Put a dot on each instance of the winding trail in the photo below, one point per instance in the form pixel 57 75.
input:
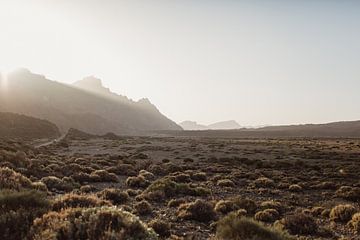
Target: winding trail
pixel 51 142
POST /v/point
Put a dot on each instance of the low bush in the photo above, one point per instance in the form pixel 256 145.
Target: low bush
pixel 234 227
pixel 160 227
pixel 75 201
pixel 18 210
pixel 348 193
pixel 226 183
pixel 92 224
pixel 267 215
pixel 199 211
pixel 113 195
pixel 143 207
pixel 301 224
pixel 355 222
pixel 342 213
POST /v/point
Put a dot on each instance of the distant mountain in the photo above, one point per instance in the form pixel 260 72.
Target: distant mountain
pixel 86 105
pixel 346 129
pixel 23 127
pixel 225 125
pixel 189 125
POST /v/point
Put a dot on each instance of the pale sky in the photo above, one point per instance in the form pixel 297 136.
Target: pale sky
pixel 257 62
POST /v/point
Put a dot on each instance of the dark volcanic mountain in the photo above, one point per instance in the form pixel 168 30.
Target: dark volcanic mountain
pixel 23 127
pixel 86 106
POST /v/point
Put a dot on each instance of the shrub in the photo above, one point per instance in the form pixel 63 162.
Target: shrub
pixel 226 183
pixel 165 188
pixel 105 176
pixel 234 227
pixel 147 175
pixel 264 182
pixel 267 215
pixel 137 182
pixel 342 213
pixel 272 204
pixel 295 188
pixel 349 193
pixel 199 211
pixel 176 202
pixel 9 179
pixel 355 222
pixel 54 183
pixel 92 224
pixel 123 169
pixel 298 224
pixel 160 227
pixel 75 200
pixel 143 207
pixel 18 210
pixel 201 176
pixel 116 196
pixel 225 206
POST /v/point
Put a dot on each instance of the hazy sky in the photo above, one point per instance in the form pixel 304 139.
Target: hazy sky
pixel 258 62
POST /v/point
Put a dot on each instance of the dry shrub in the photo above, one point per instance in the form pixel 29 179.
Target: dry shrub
pixel 237 227
pixel 200 176
pixel 355 222
pixel 348 193
pixel 295 188
pixel 56 184
pixel 18 210
pixel 137 182
pixel 225 183
pixel 226 206
pixel 176 202
pixel 75 201
pixel 180 177
pixel 91 223
pixel 199 210
pixel 123 169
pixel 160 227
pixel 272 204
pixel 301 224
pixel 143 207
pixel 105 176
pixel 9 179
pixel 165 188
pixel 157 169
pixel 264 182
pixel 317 211
pixel 267 215
pixel 113 195
pixel 147 175
pixel 342 213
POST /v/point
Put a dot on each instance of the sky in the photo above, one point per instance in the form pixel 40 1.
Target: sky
pixel 257 62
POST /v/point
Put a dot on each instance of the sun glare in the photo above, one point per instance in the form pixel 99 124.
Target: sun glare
pixel 3 81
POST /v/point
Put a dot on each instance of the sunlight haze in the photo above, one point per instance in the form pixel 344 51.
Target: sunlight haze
pixel 256 62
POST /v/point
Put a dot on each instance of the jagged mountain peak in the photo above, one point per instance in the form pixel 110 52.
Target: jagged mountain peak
pixel 92 84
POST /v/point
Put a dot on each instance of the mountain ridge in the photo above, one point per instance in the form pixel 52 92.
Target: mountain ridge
pixel 70 106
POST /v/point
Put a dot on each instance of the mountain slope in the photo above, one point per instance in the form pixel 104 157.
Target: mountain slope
pixel 79 107
pixel 20 126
